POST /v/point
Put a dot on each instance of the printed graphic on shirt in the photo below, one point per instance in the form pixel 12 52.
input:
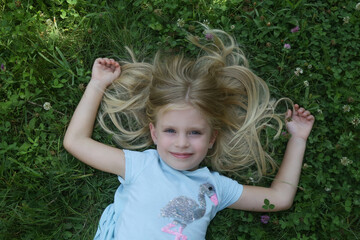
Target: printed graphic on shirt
pixel 183 210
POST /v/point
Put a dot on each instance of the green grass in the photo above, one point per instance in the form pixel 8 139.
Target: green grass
pixel 47 49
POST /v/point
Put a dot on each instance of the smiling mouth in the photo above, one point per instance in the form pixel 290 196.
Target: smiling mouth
pixel 181 155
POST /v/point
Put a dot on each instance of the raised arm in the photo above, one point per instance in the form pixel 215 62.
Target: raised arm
pixel 77 140
pixel 282 191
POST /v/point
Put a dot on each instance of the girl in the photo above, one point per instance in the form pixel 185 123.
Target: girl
pixel 212 108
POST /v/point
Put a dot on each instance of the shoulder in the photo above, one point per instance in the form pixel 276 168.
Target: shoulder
pixel 141 155
pixel 228 189
pixel 136 162
pixel 140 159
pixel 225 181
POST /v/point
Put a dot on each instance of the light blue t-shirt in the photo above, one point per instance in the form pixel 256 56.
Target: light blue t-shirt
pixel 155 201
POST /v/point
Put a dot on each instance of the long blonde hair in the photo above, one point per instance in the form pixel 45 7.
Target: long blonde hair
pixel 218 83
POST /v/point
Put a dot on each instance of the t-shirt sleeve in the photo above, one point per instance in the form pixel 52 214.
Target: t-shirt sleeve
pixel 135 163
pixel 229 191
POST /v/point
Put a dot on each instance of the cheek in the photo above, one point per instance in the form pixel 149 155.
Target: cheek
pixel 201 145
pixel 164 141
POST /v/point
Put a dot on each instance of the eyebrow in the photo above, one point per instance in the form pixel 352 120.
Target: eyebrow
pixel 188 128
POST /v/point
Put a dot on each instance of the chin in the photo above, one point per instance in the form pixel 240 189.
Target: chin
pixel 185 168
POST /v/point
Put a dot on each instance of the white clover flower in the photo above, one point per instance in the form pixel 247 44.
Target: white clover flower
pixel 232 27
pixel 298 71
pixel 345 161
pixel 327 189
pixel 47 106
pixel 49 22
pixel 346 19
pixel 355 121
pixel 206 22
pixel 357 7
pixel 180 22
pixel 319 111
pixel 306 83
pixel 346 108
pixel 305 166
pixel 309 66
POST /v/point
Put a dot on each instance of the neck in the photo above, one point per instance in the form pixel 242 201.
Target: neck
pixel 201 199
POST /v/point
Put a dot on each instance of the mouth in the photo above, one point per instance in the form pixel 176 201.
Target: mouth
pixel 214 199
pixel 181 155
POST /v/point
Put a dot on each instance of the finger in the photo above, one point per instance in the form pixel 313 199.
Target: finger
pixel 306 113
pixel 296 107
pixel 99 61
pixel 310 118
pixel 117 71
pixel 296 110
pixel 109 63
pixel 113 64
pixel 116 66
pixel 288 115
pixel 103 61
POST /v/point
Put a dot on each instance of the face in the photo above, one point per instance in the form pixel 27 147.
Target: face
pixel 183 137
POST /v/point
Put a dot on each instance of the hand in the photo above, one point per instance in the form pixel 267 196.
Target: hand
pixel 105 71
pixel 300 122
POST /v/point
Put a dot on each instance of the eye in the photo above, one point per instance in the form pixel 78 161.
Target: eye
pixel 169 130
pixel 210 188
pixel 195 133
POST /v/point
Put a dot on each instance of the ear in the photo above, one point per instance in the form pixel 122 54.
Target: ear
pixel 213 138
pixel 153 132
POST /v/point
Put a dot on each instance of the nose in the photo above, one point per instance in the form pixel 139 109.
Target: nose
pixel 182 141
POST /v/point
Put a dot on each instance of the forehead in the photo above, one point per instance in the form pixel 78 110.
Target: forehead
pixel 174 107
pixel 181 114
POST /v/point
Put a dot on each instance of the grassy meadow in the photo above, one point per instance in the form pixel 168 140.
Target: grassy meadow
pixel 306 50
